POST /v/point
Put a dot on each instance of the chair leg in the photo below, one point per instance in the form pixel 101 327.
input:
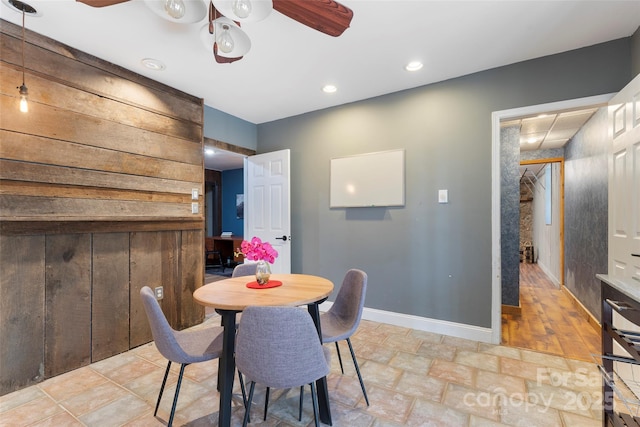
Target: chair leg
pixel 266 404
pixel 355 362
pixel 339 358
pixel 164 381
pixel 175 397
pixel 248 408
pixel 314 398
pixel 242 389
pixel 244 392
pixel 300 407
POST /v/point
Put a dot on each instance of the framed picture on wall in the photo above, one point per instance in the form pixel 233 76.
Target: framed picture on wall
pixel 239 206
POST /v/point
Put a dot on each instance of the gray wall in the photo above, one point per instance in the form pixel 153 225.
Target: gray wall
pixel 510 214
pixel 542 154
pixel 586 220
pixel 425 259
pixel 230 129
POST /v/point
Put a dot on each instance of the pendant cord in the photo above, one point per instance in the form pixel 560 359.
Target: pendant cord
pixel 23 7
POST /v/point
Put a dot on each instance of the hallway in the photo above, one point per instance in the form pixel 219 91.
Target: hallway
pixel 549 321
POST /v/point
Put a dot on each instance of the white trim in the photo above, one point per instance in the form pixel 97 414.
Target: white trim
pixel 460 330
pixel 496 117
pixel 549 274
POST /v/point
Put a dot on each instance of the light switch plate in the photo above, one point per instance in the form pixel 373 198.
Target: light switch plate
pixel 194 194
pixel 194 208
pixel 443 196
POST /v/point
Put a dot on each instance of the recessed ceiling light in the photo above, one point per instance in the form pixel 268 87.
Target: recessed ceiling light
pixel 209 151
pixel 18 6
pixel 153 64
pixel 413 66
pixel 329 89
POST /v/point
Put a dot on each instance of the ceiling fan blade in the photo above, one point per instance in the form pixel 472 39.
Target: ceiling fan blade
pixel 101 3
pixel 326 16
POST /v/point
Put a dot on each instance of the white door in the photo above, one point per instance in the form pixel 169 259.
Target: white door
pixel 624 184
pixel 624 205
pixel 267 204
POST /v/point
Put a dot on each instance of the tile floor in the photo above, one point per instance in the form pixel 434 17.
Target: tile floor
pixel 413 378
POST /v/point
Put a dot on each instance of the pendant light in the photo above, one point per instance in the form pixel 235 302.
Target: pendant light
pixel 179 11
pixel 175 8
pixel 24 92
pixel 244 10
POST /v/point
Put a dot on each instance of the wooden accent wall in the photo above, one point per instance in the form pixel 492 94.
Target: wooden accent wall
pixel 95 202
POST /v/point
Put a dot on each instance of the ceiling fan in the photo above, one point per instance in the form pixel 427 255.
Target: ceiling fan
pixel 230 43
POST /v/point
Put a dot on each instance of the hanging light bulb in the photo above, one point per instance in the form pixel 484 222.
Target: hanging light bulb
pixel 24 105
pixel 242 8
pixel 225 42
pixel 175 8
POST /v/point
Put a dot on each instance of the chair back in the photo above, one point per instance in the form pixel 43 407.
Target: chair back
pixel 209 244
pixel 349 302
pixel 246 269
pixel 163 334
pixel 279 347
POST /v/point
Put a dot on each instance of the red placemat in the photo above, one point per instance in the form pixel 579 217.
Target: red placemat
pixel 270 284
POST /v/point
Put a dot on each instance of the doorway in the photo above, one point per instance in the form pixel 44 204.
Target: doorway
pixel 542 235
pixel 497 117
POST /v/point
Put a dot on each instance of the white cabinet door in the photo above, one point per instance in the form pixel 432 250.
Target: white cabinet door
pixel 624 184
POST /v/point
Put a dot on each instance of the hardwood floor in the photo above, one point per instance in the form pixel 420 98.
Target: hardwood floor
pixel 549 321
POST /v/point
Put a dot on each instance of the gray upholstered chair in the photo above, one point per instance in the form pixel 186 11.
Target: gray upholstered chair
pixel 246 269
pixel 242 270
pixel 184 347
pixel 279 348
pixel 343 318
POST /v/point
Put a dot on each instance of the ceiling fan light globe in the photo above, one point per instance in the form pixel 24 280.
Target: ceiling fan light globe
pixel 241 41
pixel 258 9
pixel 175 8
pixel 225 41
pixel 194 10
pixel 241 8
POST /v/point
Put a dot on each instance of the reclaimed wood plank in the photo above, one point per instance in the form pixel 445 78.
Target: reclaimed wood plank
pixel 170 267
pixel 145 270
pixel 67 303
pixel 56 227
pixel 191 278
pixel 109 295
pixel 50 174
pixel 68 209
pixel 21 311
pixel 81 154
pixel 34 189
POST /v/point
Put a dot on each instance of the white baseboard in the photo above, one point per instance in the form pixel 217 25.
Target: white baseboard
pixel 444 327
pixel 550 275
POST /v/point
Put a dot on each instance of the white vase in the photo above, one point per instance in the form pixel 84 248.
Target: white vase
pixel 263 272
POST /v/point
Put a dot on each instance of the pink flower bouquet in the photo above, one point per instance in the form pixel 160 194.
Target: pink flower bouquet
pixel 257 250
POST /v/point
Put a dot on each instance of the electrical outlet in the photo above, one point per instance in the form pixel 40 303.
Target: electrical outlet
pixel 194 194
pixel 194 208
pixel 159 292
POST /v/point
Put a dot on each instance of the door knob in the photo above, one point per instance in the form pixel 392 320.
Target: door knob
pixel 283 238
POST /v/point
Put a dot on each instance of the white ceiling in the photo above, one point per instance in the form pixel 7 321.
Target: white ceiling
pixel 222 160
pixel 550 130
pixel 288 63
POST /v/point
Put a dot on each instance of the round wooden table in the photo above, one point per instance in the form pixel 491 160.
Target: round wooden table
pixel 230 296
